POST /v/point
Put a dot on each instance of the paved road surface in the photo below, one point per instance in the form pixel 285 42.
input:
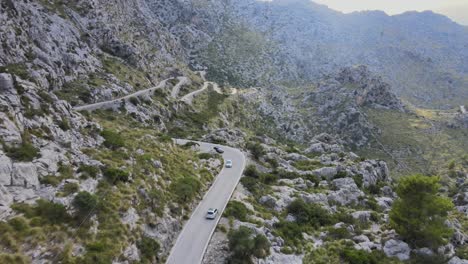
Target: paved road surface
pixel 182 81
pixel 196 234
pixel 116 102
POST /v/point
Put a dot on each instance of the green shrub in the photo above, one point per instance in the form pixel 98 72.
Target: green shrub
pixel 309 213
pixel 251 184
pixel 19 224
pixel 282 174
pixel 64 124
pixel 112 139
pixel 190 144
pixel 256 149
pixel 268 178
pixel 236 209
pixel 50 212
pixel 261 246
pixel 186 188
pixel 251 171
pixel 337 233
pixel 115 175
pixel 24 152
pixel 70 188
pixel 358 179
pixel 243 245
pixel 291 232
pixel 205 156
pixel 85 203
pixel 18 69
pixel 50 180
pixel 340 174
pixel 354 256
pixel 462 252
pixel 149 249
pixel 13 259
pixel 134 101
pixel 66 171
pixel 88 171
pixel 273 162
pixel 418 215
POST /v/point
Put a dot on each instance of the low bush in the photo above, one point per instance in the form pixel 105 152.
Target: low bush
pixel 85 203
pixel 24 152
pixel 149 249
pixel 115 175
pixel 19 224
pixel 205 156
pixel 88 171
pixel 44 212
pixel 336 233
pixel 13 259
pixel 309 213
pixel 251 171
pixel 237 209
pixel 134 100
pixel 70 188
pixel 256 149
pixel 291 232
pixel 244 245
pixel 112 139
pixel 50 180
pixel 268 178
pixel 251 184
pixel 64 124
pixel 186 188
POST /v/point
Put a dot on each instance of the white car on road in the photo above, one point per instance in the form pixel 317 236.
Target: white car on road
pixel 212 213
pixel 228 163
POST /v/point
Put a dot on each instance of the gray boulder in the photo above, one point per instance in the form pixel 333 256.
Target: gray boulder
pixel 373 171
pixel 131 253
pixel 6 168
pixel 5 197
pixel 346 192
pixel 268 201
pixel 362 216
pixel 457 260
pixel 398 249
pixel 325 172
pixel 25 174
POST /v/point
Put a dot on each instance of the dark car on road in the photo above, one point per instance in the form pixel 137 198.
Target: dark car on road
pixel 218 149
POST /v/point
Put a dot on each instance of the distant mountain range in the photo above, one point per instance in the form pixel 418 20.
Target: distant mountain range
pixel 423 55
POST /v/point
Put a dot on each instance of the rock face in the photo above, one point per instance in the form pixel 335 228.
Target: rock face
pixel 346 192
pixel 336 106
pixel 339 100
pixel 25 174
pixel 397 248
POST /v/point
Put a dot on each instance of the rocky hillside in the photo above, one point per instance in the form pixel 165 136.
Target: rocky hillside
pixel 359 107
pixel 329 208
pixel 92 91
pixel 422 55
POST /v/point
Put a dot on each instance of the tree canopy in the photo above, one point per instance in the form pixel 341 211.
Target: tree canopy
pixel 419 213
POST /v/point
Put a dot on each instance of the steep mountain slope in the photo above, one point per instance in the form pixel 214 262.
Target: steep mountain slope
pixel 422 55
pixel 108 186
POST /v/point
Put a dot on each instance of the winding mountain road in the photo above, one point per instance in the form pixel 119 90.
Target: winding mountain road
pixel 192 242
pixel 116 102
pixel 196 234
pixel 188 98
pixel 182 81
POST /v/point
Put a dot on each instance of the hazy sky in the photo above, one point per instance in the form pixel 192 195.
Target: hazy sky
pixel 457 10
